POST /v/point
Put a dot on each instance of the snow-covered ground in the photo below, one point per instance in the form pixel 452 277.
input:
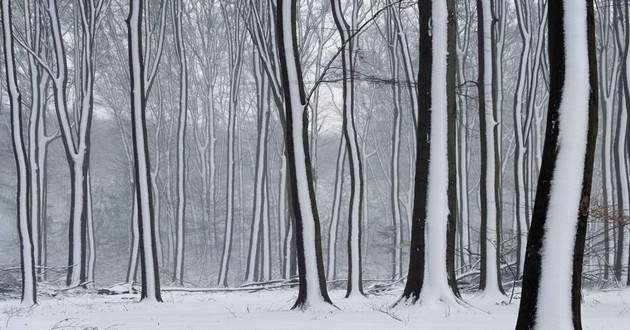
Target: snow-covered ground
pixel 270 310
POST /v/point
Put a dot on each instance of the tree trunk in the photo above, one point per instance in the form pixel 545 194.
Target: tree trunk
pixel 355 283
pixel 178 272
pixel 428 277
pixel 27 253
pixel 333 229
pixel 552 281
pixel 144 194
pixel 312 285
pixel 490 277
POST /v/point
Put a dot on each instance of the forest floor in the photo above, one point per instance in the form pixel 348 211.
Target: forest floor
pixel 271 310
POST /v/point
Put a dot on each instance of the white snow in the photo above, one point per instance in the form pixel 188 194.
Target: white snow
pixel 270 310
pixel 554 300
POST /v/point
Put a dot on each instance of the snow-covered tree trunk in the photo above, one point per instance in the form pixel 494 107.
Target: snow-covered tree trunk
pixel 75 134
pixel 333 229
pixel 91 238
pixel 524 24
pixel 27 253
pixel 134 242
pixel 427 280
pixel 266 232
pixel 286 228
pixel 623 183
pixel 36 140
pixel 407 64
pixel 312 285
pixel 392 47
pixel 621 178
pixel 144 193
pixel 235 39
pixel 553 265
pixel 178 272
pixel 260 175
pixel 610 69
pixel 355 284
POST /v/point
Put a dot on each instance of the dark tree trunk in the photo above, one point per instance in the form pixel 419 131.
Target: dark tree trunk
pixel 415 275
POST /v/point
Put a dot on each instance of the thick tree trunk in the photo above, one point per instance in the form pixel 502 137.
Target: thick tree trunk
pixel 428 277
pixel 555 247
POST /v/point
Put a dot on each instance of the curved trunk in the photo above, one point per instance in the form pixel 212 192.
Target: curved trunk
pixel 312 285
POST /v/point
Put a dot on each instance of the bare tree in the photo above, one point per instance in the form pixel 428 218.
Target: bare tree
pixel 178 272
pixel 312 288
pixel 355 272
pixel 27 253
pixel 144 194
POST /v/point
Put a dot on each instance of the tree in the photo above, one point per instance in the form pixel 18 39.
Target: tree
pixel 490 231
pixel 555 245
pixel 27 253
pixel 355 272
pixel 312 286
pixel 75 126
pixel 427 279
pixel 144 194
pixel 392 43
pixel 178 272
pixel 333 230
pixel 258 214
pixel 235 40
pixel 38 140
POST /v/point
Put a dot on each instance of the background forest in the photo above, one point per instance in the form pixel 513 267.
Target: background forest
pixel 218 168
